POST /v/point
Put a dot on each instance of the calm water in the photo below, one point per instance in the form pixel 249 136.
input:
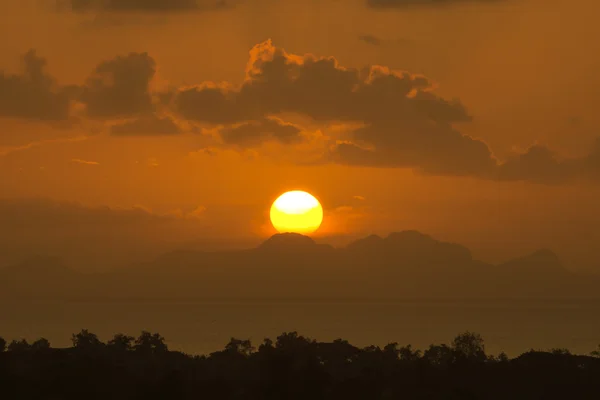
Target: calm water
pixel 201 328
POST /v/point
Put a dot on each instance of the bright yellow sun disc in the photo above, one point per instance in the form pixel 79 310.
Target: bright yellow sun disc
pixel 296 211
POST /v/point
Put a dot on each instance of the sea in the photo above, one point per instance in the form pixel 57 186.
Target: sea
pixel 202 327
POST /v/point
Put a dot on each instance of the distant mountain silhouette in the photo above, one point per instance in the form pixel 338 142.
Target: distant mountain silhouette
pixel 405 264
pixel 292 242
pixel 367 243
pixel 39 267
pixel 411 247
pixel 540 261
pixel 40 276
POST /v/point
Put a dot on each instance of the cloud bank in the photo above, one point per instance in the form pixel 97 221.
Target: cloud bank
pixel 401 122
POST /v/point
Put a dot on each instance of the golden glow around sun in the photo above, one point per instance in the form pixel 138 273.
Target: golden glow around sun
pixel 296 211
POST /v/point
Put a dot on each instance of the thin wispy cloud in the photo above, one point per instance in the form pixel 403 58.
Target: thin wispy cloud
pixel 5 150
pixel 370 39
pixel 85 162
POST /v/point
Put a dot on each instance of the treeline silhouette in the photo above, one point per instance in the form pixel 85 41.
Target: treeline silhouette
pixel 291 367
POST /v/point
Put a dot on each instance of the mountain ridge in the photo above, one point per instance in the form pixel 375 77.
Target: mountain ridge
pixel 405 264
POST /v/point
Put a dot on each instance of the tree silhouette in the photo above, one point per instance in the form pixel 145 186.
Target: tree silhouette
pixel 502 357
pixel 596 353
pixel 150 343
pixel 469 346
pixel 407 354
pixel 340 350
pixel 2 344
pixel 391 350
pixel 559 351
pixel 439 355
pixel 19 346
pixel 85 340
pixel 40 344
pixel 292 341
pixel 121 342
pixel 243 347
pixel 294 368
pixel 266 346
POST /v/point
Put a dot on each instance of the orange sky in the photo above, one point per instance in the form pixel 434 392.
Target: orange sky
pixel 522 73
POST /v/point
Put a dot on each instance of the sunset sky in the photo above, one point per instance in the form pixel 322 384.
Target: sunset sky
pixel 472 121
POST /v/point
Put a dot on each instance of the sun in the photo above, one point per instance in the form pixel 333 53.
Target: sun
pixel 296 211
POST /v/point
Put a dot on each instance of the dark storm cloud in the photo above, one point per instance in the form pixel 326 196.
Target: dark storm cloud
pixel 120 87
pixel 33 94
pixel 146 126
pixel 148 6
pixel 385 4
pixel 253 133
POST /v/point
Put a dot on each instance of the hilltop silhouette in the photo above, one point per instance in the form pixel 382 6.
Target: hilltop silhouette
pixel 292 242
pixel 404 264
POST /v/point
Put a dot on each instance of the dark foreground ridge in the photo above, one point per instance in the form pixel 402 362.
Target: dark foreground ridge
pixel 292 367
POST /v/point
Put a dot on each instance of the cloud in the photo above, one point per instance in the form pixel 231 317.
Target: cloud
pixel 590 164
pixel 407 123
pixel 432 149
pixel 213 104
pixel 254 133
pixel 402 122
pixel 370 39
pixel 85 162
pixel 198 212
pixel 11 149
pixel 343 209
pixel 537 164
pixel 120 87
pixel 386 4
pixel 145 6
pixel 393 118
pixel 146 126
pixel 34 94
pixel 49 213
